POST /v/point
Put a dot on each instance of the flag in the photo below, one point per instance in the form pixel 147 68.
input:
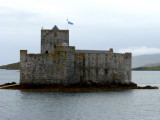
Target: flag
pixel 69 22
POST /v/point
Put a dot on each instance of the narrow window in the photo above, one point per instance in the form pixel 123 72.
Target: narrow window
pixel 46 52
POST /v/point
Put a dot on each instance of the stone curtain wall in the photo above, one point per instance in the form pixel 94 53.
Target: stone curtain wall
pixel 103 68
pixel 69 67
pixel 56 68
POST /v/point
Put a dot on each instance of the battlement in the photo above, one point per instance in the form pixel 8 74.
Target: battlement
pixel 23 51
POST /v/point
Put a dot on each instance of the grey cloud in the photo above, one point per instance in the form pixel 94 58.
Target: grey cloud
pixel 14 15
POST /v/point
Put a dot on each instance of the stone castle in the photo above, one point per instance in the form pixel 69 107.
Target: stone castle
pixel 61 64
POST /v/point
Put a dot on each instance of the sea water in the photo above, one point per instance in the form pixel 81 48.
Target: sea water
pixel 108 105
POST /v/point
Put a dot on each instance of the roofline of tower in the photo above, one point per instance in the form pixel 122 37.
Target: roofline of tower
pixel 52 30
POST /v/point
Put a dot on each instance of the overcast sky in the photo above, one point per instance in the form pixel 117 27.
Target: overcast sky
pixel 124 25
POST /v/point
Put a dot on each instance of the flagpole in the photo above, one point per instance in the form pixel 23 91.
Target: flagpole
pixel 67 23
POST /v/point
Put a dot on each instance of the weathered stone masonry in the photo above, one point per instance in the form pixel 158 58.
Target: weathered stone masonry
pixel 61 64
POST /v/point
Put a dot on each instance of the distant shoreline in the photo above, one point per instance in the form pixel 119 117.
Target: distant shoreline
pixel 146 69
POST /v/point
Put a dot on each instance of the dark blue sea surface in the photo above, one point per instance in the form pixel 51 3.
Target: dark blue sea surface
pixel 108 105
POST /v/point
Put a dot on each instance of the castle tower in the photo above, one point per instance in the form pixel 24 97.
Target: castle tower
pixel 52 38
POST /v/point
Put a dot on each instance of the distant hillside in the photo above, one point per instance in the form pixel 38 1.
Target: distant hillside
pixel 140 62
pixel 14 66
pixel 143 60
pixel 147 68
pixel 152 65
